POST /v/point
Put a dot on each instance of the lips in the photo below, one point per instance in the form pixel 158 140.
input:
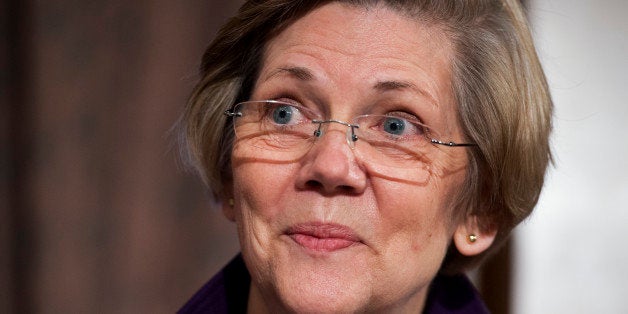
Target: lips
pixel 323 237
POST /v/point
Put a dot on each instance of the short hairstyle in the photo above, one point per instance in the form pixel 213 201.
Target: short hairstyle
pixel 502 97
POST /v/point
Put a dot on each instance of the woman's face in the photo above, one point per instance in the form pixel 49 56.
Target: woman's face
pixel 326 232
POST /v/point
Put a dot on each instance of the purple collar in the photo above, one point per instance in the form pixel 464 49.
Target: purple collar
pixel 227 292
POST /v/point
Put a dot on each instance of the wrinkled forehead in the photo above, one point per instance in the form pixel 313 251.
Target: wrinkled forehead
pixel 364 31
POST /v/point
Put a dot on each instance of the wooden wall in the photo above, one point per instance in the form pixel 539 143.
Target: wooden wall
pixel 97 215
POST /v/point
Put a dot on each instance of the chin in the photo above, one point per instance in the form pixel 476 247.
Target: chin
pixel 307 286
pixel 326 301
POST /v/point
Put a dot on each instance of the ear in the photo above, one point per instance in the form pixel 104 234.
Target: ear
pixel 463 237
pixel 227 202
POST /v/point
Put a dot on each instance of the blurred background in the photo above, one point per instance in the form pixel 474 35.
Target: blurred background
pixel 97 215
pixel 571 255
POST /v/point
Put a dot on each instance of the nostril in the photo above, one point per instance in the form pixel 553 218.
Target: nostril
pixel 346 188
pixel 318 186
pixel 313 184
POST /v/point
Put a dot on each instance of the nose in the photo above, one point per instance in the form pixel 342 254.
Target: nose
pixel 331 167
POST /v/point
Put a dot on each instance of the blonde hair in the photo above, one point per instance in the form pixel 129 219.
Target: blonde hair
pixel 502 95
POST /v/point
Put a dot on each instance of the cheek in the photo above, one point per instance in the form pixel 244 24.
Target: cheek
pixel 447 165
pixel 416 230
pixel 416 217
pixel 260 187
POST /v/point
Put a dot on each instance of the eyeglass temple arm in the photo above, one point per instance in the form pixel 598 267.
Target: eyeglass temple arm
pixel 231 113
pixel 451 144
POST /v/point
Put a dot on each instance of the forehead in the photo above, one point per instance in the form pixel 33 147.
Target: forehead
pixel 351 35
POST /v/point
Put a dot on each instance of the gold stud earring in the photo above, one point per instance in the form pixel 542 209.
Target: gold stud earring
pixel 231 202
pixel 472 238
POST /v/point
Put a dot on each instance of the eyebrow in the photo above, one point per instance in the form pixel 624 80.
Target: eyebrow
pixel 384 86
pixel 300 73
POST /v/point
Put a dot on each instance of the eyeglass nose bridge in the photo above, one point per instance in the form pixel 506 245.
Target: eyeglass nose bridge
pixel 318 132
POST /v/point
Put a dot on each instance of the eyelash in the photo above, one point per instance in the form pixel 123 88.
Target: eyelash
pixel 288 99
pixel 405 115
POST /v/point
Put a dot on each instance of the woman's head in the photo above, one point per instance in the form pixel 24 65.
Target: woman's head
pixel 467 69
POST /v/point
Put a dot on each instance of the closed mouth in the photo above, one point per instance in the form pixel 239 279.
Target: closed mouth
pixel 323 237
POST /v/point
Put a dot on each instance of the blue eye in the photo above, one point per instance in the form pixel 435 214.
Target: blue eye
pixel 283 114
pixel 394 126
